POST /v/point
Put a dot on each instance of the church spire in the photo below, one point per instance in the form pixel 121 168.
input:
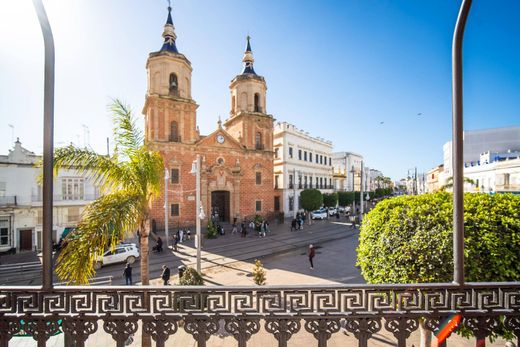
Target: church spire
pixel 248 59
pixel 169 34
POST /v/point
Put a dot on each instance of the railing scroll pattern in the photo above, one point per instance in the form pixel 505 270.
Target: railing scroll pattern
pixel 362 310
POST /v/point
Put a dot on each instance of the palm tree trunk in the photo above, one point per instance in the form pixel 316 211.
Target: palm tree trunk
pixel 145 279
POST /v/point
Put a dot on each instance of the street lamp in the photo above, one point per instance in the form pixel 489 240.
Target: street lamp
pixel 195 169
pixel 166 231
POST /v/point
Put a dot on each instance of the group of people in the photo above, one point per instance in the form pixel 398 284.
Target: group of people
pixel 180 236
pixel 297 223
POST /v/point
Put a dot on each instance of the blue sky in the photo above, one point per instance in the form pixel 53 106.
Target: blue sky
pixel 334 68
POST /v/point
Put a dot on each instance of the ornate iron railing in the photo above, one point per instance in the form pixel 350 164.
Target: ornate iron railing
pixel 322 311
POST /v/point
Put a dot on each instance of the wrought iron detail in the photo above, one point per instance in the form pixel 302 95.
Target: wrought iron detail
pixel 363 328
pixel 79 329
pixel 121 329
pixel 242 328
pixel 242 310
pixel 401 327
pixel 322 329
pixel 160 329
pixel 201 328
pixel 282 329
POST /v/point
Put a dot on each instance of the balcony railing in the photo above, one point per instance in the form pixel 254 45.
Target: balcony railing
pixel 8 200
pixel 361 310
pixel 72 197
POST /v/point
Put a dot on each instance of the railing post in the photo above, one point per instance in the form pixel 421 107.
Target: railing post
pixel 48 134
pixel 457 146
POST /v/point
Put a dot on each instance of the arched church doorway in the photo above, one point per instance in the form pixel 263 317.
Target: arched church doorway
pixel 220 206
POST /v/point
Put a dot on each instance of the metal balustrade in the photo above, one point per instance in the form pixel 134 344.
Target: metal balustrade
pixel 362 310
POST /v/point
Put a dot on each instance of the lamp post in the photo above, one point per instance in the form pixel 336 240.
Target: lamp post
pixel 166 231
pixel 361 181
pixel 195 169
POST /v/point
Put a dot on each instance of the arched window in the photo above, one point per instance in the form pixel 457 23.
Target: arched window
pixel 258 141
pixel 257 103
pixel 174 132
pixel 174 84
pixel 233 103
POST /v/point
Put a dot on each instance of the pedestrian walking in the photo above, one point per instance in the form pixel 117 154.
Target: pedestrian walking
pixel 127 274
pixel 188 233
pixel 181 235
pixel 293 224
pixel 243 229
pixel 165 275
pixel 252 226
pixel 312 253
pixel 175 242
pixel 234 230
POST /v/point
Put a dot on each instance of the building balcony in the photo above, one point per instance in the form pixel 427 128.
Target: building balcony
pixel 283 311
pixel 6 201
pixel 67 198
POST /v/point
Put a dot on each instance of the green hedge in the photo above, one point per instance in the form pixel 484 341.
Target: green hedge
pixel 408 239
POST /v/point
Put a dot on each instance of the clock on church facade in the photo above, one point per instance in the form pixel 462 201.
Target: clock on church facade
pixel 237 158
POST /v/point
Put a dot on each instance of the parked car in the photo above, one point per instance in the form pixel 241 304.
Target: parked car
pixel 332 211
pixel 122 253
pixel 319 214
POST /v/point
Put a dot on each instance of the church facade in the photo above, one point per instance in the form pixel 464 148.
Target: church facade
pixel 236 158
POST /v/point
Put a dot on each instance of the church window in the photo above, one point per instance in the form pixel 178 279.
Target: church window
pixel 175 210
pixel 233 103
pixel 258 178
pixel 258 205
pixel 220 161
pixel 174 132
pixel 258 141
pixel 174 178
pixel 174 85
pixel 258 108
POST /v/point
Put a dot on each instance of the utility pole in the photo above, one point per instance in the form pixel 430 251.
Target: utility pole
pixel 198 216
pixel 166 231
pixel 361 192
pixel 353 192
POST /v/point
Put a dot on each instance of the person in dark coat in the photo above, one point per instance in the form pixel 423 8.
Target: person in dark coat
pixel 312 253
pixel 293 224
pixel 165 275
pixel 127 274
pixel 159 244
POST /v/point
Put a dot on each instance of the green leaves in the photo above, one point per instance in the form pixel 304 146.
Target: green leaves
pixel 409 239
pixel 131 179
pixel 311 199
pixel 330 200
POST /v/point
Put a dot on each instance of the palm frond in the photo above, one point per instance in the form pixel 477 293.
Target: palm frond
pixel 103 224
pixel 128 137
pixel 102 170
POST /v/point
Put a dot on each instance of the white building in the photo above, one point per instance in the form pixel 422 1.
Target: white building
pixel 373 181
pixel 491 158
pixel 300 162
pixel 477 142
pixel 347 171
pixel 21 214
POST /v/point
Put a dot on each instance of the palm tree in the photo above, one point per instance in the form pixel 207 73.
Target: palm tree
pixel 131 179
pixel 449 183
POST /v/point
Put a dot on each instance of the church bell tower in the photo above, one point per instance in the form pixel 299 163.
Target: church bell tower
pixel 249 121
pixel 170 111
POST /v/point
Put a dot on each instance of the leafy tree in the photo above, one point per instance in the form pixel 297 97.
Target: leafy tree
pixel 212 231
pixel 409 239
pixel 191 277
pixel 345 198
pixel 330 200
pixel 259 273
pixel 311 199
pixel 131 178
